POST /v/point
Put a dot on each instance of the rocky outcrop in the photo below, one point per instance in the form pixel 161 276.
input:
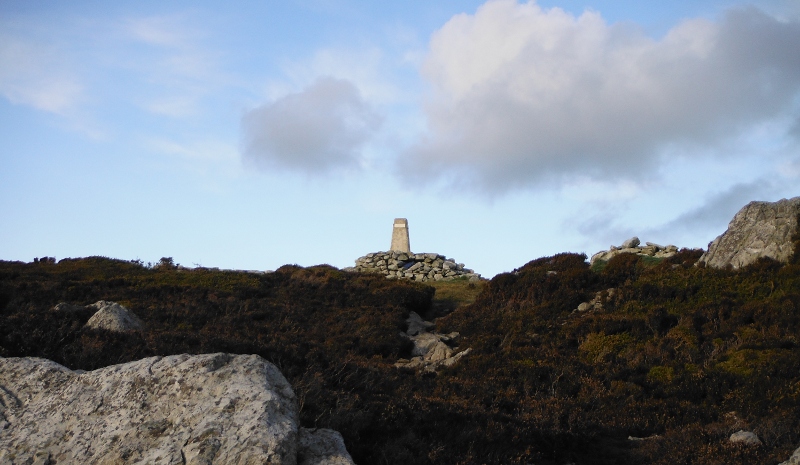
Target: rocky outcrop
pixel 181 409
pixel 112 316
pixel 633 246
pixel 418 267
pixel 431 350
pixel 760 229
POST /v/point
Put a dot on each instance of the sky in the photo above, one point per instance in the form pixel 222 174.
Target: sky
pixel 253 134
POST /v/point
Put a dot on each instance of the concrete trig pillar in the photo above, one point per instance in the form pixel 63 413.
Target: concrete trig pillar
pixel 400 236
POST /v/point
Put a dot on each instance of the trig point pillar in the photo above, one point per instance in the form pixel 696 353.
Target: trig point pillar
pixel 400 236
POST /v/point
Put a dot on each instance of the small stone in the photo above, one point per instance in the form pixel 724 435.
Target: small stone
pixel 745 437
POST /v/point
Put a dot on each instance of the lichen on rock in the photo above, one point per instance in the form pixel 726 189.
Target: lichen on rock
pixel 759 229
pixel 182 409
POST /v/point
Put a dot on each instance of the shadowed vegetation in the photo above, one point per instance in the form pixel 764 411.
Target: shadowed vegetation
pixel 678 354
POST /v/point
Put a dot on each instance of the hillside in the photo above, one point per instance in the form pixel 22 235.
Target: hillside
pixel 676 355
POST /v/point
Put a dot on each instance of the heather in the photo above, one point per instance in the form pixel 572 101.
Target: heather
pixel 677 355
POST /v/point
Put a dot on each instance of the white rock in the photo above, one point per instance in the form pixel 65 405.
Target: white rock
pixel 431 350
pixel 759 229
pixel 201 409
pixel 320 446
pixel 113 317
pixel 745 437
pixel 630 243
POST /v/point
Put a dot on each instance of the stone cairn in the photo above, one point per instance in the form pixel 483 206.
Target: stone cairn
pixel 632 246
pixel 400 263
pixel 416 266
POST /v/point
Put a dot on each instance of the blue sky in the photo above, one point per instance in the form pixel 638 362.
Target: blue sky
pixel 255 134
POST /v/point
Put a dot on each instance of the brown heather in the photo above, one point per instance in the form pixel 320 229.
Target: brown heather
pixel 681 355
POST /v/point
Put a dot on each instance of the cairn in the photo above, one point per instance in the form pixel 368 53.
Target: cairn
pixel 415 266
pixel 400 263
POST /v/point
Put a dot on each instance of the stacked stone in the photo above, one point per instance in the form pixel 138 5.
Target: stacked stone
pixel 632 246
pixel 415 266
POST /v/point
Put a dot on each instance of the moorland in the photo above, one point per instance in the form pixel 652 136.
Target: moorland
pixel 673 358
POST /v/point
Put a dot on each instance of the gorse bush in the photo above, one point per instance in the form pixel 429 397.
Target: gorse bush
pixel 679 355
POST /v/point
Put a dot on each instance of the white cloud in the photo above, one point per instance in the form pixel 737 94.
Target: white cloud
pixel 317 130
pixel 37 74
pixel 523 95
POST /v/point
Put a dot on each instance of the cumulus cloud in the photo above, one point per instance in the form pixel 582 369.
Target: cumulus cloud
pixel 317 130
pixel 523 95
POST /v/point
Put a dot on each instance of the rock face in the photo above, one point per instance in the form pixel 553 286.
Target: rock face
pixel 760 229
pixel 113 317
pixel 418 267
pixel 632 246
pixel 431 350
pixel 182 409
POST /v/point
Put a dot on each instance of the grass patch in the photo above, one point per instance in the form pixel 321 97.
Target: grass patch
pixel 453 294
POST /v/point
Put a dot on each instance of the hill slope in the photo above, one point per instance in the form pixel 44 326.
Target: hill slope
pixel 678 354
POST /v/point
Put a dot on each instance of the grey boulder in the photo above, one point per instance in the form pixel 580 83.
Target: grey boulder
pixel 745 437
pixel 112 316
pixel 181 409
pixel 759 229
pixel 631 243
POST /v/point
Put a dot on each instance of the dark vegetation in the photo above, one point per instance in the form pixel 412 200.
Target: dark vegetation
pixel 679 355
